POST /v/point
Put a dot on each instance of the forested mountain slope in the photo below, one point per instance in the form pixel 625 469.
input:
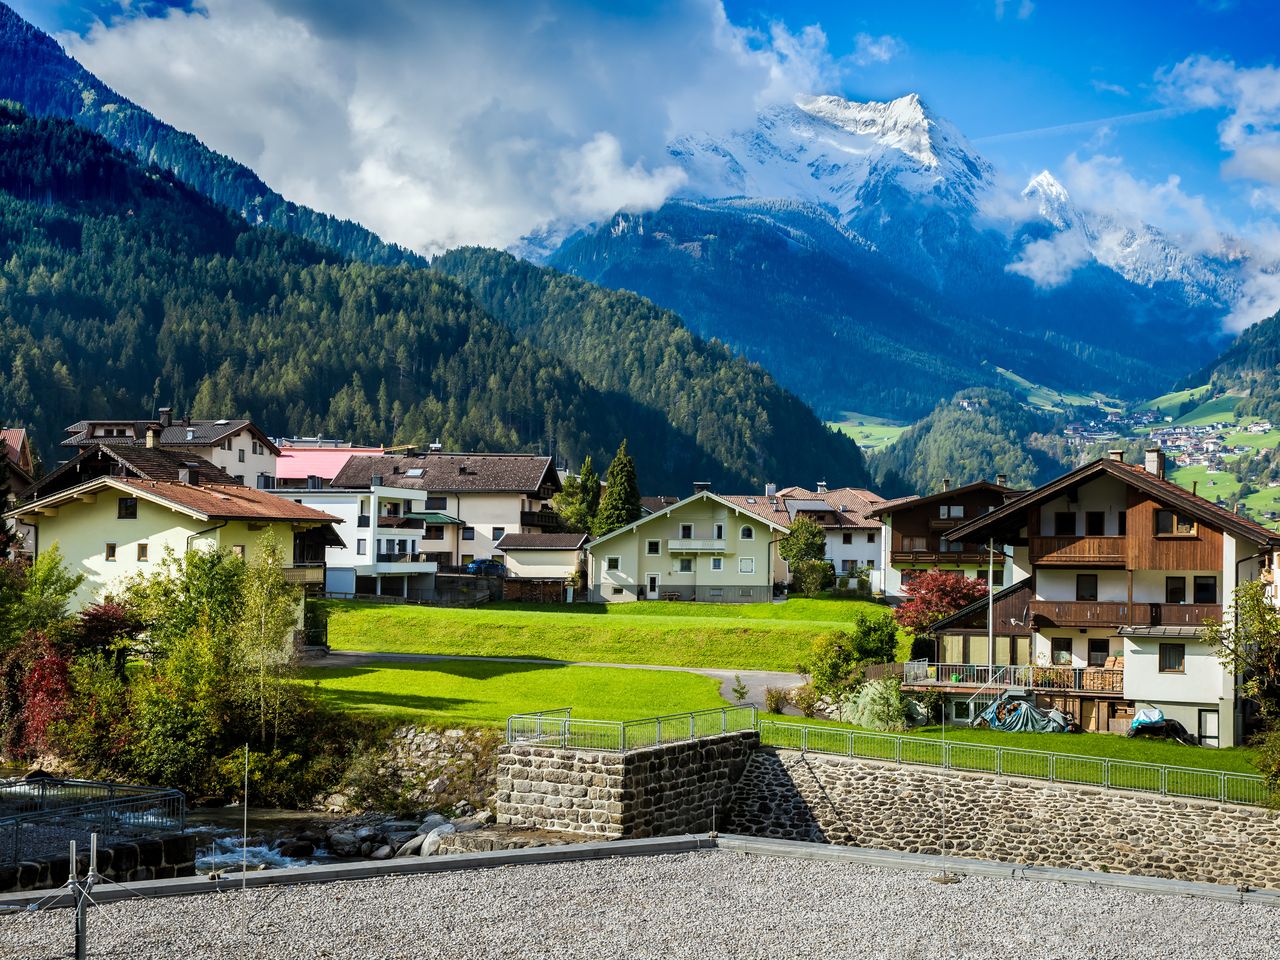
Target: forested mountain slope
pixel 36 73
pixel 122 290
pixel 622 343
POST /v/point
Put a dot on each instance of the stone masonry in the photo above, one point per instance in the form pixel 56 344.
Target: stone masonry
pixel 862 803
pixel 153 858
pixel 674 788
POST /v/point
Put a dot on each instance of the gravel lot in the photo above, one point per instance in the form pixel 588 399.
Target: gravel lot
pixel 711 904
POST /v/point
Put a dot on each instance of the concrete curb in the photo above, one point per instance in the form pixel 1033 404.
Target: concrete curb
pixel 754 846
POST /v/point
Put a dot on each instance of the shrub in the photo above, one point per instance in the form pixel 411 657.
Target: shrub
pixel 872 638
pixel 937 594
pixel 739 689
pixel 876 705
pixel 95 735
pixel 812 577
pixel 775 698
pixel 805 699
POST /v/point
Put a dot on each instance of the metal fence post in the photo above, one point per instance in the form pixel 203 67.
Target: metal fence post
pixel 693 735
pixel 897 750
pixel 1222 788
pixel 1053 771
pixel 804 739
pixel 1164 781
pixel 1106 773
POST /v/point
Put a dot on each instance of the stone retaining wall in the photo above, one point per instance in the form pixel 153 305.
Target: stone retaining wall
pixel 867 804
pixel 675 788
pixel 157 858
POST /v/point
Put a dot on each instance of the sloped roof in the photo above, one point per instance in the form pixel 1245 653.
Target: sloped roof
pixel 298 463
pixel 1159 488
pixel 18 451
pixel 542 541
pixel 146 463
pixel 700 495
pixel 889 506
pixel 823 508
pixel 452 472
pixel 654 504
pixel 190 433
pixel 980 607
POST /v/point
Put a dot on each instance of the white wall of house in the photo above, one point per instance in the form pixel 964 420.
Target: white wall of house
pixel 863 550
pixel 1042 644
pixel 555 564
pixel 246 458
pixel 1106 495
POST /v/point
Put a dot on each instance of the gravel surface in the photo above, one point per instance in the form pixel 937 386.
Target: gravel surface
pixel 711 904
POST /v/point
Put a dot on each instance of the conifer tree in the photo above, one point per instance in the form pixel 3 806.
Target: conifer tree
pixel 620 504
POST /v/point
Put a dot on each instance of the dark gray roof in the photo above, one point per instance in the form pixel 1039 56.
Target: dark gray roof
pixel 144 463
pixel 196 433
pixel 452 473
pixel 542 541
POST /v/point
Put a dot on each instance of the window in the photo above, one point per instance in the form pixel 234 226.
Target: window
pixel 653 547
pixel 1175 589
pixel 616 591
pixel 362 547
pixel 110 552
pixel 948 546
pixel 746 564
pixel 846 566
pixel 871 564
pixel 433 533
pixel 436 503
pixel 1122 523
pixel 847 538
pixel 468 533
pixel 717 593
pixel 1206 590
pixel 871 537
pixel 1086 586
pixel 719 531
pixel 240 479
pixel 686 531
pixel 1099 651
pixel 952 511
pixel 746 533
pixel 468 557
pixel 613 563
pixel 258 448
pixel 127 508
pixel 717 564
pixel 1061 647
pixel 1170 524
pixel 1095 523
pixel 142 553
pixel 1064 524
pixel 1173 658
pixel 225 444
pixel 961 710
pixel 686 565
pixel 240 456
pixel 238 550
pixel 499 533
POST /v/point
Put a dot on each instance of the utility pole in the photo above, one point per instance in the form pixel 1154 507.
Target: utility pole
pixel 80 891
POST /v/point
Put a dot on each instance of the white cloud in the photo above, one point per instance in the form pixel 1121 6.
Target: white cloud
pixel 1051 262
pixel 449 123
pixel 1025 9
pixel 1103 86
pixel 868 50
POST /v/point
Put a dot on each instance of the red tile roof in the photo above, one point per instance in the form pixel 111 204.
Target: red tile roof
pixel 229 501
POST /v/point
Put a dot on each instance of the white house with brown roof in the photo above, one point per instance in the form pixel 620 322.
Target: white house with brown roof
pixel 114 510
pixel 543 556
pixel 15 447
pixel 412 516
pixel 238 447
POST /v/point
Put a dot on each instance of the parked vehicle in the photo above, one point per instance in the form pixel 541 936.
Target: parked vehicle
pixel 486 567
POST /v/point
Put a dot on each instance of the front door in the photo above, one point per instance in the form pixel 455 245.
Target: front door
pixel 1209 728
pixel 652 591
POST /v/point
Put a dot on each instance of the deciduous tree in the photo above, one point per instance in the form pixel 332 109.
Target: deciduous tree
pixel 937 594
pixel 805 541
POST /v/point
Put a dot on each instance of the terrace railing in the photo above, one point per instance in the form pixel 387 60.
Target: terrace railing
pixel 1219 785
pixel 560 730
pixel 38 818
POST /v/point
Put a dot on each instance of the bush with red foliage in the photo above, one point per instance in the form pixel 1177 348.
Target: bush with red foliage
pixel 937 594
pixel 33 694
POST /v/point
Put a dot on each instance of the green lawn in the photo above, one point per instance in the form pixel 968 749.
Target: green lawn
pixel 1219 409
pixel 1171 401
pixel 475 693
pixel 1258 441
pixel 1047 398
pixel 760 636
pixel 869 432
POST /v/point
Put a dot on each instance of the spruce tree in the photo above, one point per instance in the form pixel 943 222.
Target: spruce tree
pixel 620 504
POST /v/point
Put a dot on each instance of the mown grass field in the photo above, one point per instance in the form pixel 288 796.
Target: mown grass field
pixel 472 693
pixel 1170 402
pixel 869 432
pixel 1216 410
pixel 757 636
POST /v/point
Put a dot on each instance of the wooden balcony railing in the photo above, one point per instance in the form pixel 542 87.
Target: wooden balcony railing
pixel 1078 551
pixel 1090 613
pixel 546 520
pixel 304 575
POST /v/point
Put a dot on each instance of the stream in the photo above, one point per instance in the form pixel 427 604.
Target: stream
pixel 220 838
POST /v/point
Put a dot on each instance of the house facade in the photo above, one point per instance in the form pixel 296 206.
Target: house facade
pixel 238 447
pixel 414 516
pixel 854 537
pixel 312 463
pixel 1123 570
pixel 15 447
pixel 706 547
pixel 114 511
pixel 918 537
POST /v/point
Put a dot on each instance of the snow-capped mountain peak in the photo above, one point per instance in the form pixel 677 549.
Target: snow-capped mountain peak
pixel 1052 199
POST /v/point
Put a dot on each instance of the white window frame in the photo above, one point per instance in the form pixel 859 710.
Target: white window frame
pixel 653 543
pixel 683 528
pixel 718 530
pixel 744 563
pixel 747 532
pixel 362 547
pixel 717 564
pixel 613 564
pixel 681 568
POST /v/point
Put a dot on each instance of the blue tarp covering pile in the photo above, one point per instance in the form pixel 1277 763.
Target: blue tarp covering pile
pixel 1019 716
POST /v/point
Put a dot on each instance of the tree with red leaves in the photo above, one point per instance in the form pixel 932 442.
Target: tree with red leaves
pixel 937 594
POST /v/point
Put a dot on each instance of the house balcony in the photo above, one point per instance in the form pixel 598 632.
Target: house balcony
pixel 941 558
pixel 695 545
pixel 305 574
pixel 400 523
pixel 1078 551
pixel 1089 613
pixel 406 563
pixel 547 521
pixel 971 677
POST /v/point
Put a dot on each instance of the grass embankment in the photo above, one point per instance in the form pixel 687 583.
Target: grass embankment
pixel 471 693
pixel 756 636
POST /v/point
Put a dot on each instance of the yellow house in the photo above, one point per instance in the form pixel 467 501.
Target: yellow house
pixel 114 511
pixel 705 547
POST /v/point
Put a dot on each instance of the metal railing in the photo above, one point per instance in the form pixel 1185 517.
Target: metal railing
pixel 560 730
pixel 1035 676
pixel 1110 774
pixel 41 816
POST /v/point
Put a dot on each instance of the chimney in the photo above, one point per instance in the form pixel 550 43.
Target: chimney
pixel 701 486
pixel 822 486
pixel 191 434
pixel 151 437
pixel 1116 455
pixel 946 484
pixel 1154 462
pixel 166 416
pixel 435 447
pixel 1002 479
pixel 770 489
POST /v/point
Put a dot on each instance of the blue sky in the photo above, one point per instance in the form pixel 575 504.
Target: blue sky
pixel 448 121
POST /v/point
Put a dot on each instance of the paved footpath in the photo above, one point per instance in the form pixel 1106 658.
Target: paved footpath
pixel 756 680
